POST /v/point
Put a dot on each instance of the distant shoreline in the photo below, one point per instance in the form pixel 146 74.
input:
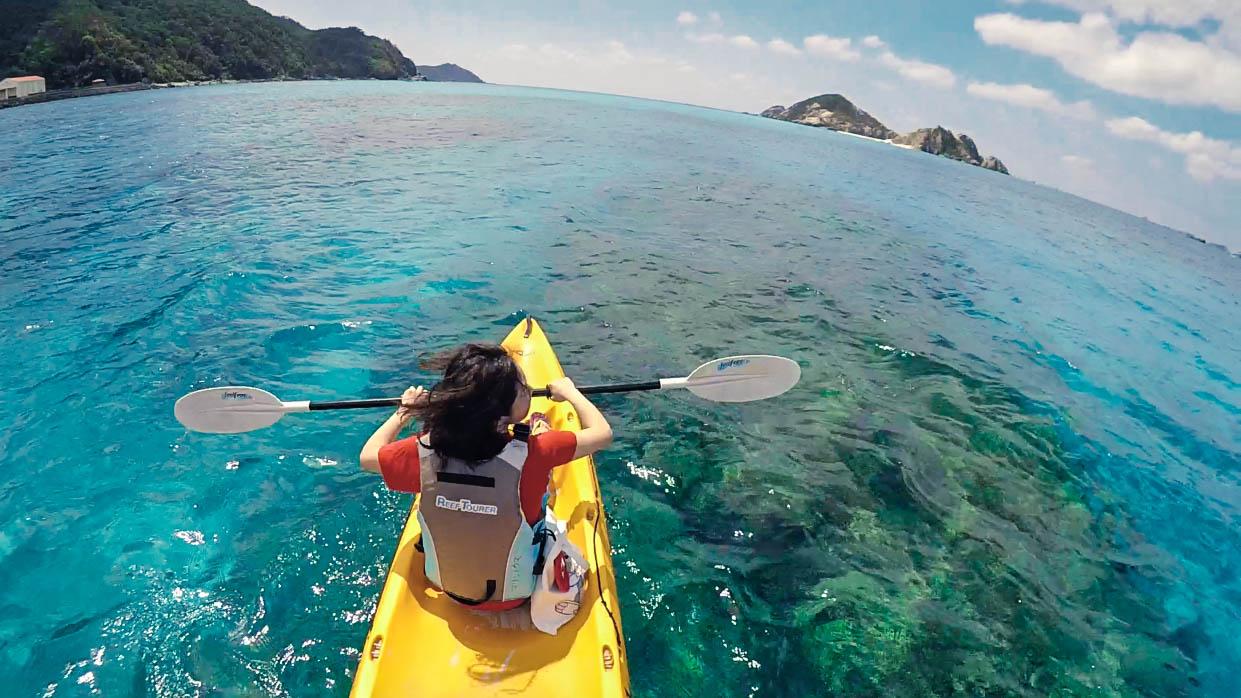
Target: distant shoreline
pixel 76 92
pixel 72 93
pixel 888 141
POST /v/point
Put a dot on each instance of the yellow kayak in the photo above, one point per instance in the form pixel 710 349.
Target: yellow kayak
pixel 424 644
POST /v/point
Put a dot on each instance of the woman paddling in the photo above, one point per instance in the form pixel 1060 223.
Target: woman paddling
pixel 483 490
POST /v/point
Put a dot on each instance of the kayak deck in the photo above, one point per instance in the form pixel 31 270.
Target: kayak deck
pixel 422 643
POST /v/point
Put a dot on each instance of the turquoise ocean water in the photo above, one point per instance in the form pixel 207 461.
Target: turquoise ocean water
pixel 1011 468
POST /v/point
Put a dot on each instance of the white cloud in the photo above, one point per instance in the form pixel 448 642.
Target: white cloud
pixel 743 41
pixel 1173 13
pixel 738 40
pixel 1031 97
pixel 558 53
pixel 836 48
pixel 1077 161
pixel 687 18
pixel 873 41
pixel 1205 158
pixel 919 71
pixel 708 38
pixel 1163 66
pixel 784 47
pixel 715 18
pixel 606 55
pixel 617 53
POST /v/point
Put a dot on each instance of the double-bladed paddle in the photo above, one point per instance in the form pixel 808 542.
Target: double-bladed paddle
pixel 234 409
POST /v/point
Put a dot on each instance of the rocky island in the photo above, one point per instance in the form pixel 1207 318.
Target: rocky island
pixel 837 113
pixel 941 141
pixel 834 112
pixel 447 72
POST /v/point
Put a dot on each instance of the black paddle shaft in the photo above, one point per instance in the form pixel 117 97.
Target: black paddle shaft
pixel 537 392
pixel 356 404
pixel 601 389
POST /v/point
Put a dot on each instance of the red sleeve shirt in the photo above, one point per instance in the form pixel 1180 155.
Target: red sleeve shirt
pixel 398 462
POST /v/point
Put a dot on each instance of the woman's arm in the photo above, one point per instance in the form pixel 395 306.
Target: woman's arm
pixel 596 433
pixel 389 430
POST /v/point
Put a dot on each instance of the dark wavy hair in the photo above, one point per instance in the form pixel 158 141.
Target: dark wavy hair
pixel 462 412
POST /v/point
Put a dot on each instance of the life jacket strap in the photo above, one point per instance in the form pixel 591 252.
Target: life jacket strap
pixel 491 591
pixel 540 538
pixel 466 479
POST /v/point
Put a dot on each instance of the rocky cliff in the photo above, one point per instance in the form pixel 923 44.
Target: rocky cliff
pixel 839 114
pixel 832 111
pixel 941 141
pixel 991 162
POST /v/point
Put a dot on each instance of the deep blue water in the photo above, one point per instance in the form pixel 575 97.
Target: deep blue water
pixel 1011 468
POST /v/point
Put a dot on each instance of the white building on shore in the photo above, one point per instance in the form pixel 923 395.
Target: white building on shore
pixel 11 88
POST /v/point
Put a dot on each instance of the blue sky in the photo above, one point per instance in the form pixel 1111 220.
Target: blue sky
pixel 1135 104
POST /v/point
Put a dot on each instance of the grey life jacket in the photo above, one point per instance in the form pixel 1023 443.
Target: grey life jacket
pixel 477 543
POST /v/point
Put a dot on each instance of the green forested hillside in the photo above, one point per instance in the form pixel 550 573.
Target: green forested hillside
pixel 71 42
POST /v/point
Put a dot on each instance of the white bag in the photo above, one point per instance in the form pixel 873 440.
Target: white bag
pixel 551 608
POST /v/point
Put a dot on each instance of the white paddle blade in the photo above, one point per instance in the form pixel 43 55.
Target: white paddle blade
pixel 229 410
pixel 743 378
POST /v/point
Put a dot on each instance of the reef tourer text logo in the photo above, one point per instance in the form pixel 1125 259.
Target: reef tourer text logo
pixel 731 363
pixel 234 395
pixel 465 505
